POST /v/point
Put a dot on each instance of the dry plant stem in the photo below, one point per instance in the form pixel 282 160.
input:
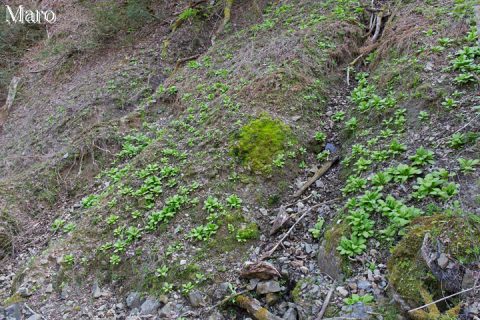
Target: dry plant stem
pixel 226 299
pixel 444 298
pixel 269 253
pixel 326 302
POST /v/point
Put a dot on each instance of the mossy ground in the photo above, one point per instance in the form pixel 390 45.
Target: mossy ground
pixel 408 272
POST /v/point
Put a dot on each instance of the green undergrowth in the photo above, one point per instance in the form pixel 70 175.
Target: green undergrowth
pixel 378 162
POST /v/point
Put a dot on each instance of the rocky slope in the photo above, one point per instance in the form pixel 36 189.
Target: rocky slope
pixel 153 158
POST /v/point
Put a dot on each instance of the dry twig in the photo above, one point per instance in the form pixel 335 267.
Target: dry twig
pixel 445 298
pixel 305 212
pixel 326 302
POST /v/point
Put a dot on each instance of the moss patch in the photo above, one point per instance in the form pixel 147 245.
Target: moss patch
pixel 249 232
pixel 409 274
pixel 260 141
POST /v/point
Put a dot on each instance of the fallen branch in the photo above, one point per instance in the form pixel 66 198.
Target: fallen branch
pixel 226 299
pixel 183 60
pixel 269 253
pixel 445 298
pixel 326 302
pixel 254 308
pixel 320 172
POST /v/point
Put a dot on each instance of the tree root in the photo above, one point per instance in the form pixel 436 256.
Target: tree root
pixel 227 14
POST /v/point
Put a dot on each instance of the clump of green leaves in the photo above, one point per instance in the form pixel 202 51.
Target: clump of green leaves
pixel 248 232
pixel 435 184
pixel 320 136
pixel 162 271
pixel 316 231
pixel 212 204
pixel 133 145
pixel 355 298
pixel 203 232
pixel 468 165
pixel 422 156
pixel 90 201
pixel 234 201
pixel 58 224
pixel 68 259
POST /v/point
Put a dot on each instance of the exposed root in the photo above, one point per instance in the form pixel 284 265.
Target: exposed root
pixel 227 14
pixel 5 110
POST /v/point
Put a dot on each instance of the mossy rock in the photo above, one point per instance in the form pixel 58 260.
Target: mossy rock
pixel 409 274
pixel 329 259
pixel 260 141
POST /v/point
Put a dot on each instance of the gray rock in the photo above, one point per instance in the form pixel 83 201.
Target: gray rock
pixel 222 290
pixel 49 288
pixel 64 293
pixel 163 299
pixel 342 291
pixel 97 292
pixel 328 262
pixel 167 311
pixel 296 118
pixel 24 292
pixel 35 317
pixel 308 248
pixel 331 147
pixel 364 285
pixel 442 261
pixel 134 300
pixel 196 298
pixel 469 280
pixel 291 314
pixel 358 311
pixel 216 316
pixel 149 307
pixel 319 184
pixel 271 286
pixel 253 284
pixel 14 311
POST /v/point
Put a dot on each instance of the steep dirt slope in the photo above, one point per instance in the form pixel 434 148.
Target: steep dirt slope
pixel 141 172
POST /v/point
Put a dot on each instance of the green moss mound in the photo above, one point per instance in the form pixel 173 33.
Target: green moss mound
pixel 260 141
pixel 409 274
